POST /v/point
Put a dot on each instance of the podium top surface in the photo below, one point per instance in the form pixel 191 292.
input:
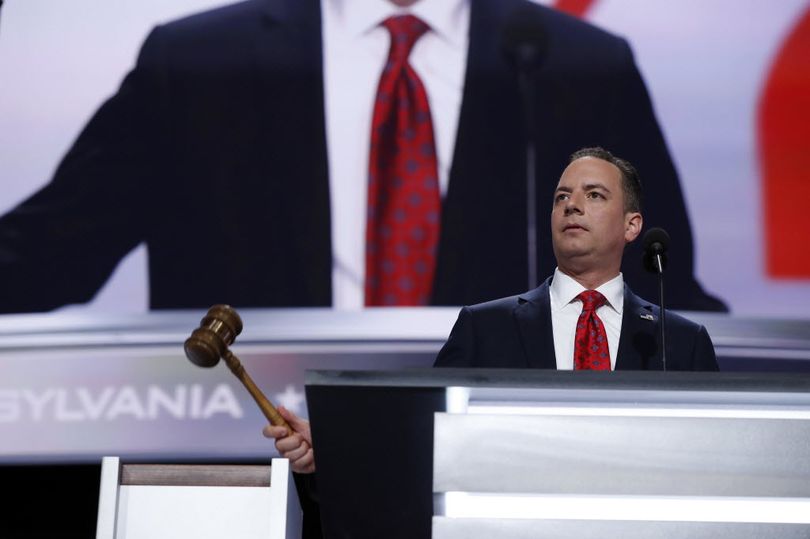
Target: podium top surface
pixel 549 379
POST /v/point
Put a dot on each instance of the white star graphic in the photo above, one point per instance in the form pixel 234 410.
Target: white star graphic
pixel 291 399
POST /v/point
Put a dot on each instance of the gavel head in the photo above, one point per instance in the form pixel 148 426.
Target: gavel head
pixel 218 329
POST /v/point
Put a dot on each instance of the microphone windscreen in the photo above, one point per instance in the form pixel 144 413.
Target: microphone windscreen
pixel 522 34
pixel 656 242
pixel 656 236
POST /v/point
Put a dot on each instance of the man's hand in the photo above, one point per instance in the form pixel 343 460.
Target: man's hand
pixel 296 446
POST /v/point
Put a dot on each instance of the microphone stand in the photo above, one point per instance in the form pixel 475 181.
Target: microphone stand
pixel 526 56
pixel 659 266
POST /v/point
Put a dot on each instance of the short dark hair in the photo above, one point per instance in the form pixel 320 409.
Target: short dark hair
pixel 631 183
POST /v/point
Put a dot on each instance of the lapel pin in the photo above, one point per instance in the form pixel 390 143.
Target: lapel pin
pixel 649 317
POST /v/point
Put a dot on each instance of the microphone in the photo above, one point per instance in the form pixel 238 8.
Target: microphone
pixel 656 243
pixel 218 330
pixel 523 39
pixel 523 42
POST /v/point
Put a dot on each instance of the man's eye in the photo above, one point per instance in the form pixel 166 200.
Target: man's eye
pixel 561 197
pixel 595 194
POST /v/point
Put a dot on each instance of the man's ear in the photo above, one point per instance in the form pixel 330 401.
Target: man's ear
pixel 633 222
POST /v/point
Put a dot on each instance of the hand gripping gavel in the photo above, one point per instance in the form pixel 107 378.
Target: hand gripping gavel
pixel 218 330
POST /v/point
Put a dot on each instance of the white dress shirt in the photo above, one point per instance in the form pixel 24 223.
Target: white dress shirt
pixel 355 48
pixel 565 311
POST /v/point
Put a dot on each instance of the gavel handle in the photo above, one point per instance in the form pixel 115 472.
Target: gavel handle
pixel 265 405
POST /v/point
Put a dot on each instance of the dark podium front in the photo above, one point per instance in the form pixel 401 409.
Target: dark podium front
pixel 735 443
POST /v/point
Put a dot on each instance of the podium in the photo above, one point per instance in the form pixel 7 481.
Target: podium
pixel 166 501
pixel 456 453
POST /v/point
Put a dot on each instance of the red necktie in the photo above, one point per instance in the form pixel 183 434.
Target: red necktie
pixel 590 343
pixel 402 224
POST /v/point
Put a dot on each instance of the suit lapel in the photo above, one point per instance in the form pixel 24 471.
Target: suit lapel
pixel 533 319
pixel 485 201
pixel 292 140
pixel 638 345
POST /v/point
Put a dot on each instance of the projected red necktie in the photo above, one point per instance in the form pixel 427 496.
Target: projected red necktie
pixel 590 343
pixel 402 223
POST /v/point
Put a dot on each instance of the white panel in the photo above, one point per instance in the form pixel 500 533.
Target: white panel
pixel 622 455
pixel 108 498
pixel 480 528
pixel 649 508
pixel 160 512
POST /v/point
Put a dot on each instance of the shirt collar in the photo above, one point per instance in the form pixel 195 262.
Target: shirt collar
pixel 564 289
pixel 448 18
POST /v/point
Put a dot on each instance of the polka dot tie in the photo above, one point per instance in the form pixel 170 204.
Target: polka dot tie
pixel 402 224
pixel 590 343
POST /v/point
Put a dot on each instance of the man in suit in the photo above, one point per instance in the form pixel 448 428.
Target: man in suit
pixel 217 154
pixel 596 213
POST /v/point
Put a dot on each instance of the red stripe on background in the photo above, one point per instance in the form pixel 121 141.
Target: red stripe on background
pixel 577 8
pixel 784 149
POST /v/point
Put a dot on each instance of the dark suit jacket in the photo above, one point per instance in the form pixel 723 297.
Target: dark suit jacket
pixel 516 332
pixel 213 152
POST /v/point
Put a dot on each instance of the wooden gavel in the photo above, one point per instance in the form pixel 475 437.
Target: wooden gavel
pixel 218 330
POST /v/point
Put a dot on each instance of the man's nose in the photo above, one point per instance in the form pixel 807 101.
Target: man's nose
pixel 573 205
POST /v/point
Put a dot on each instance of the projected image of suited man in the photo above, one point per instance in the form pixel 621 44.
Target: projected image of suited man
pixel 238 151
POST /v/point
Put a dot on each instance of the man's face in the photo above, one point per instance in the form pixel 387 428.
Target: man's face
pixel 589 227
